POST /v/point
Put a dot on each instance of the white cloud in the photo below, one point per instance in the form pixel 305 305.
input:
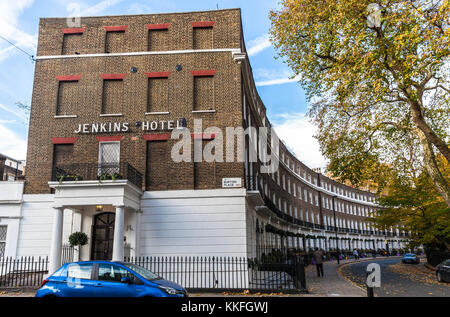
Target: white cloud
pixel 11 144
pixel 9 22
pixel 270 77
pixel 99 7
pixel 7 121
pixel 258 45
pixel 16 113
pixel 139 8
pixel 276 81
pixel 298 134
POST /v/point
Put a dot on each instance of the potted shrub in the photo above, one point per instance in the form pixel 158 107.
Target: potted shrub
pixel 78 239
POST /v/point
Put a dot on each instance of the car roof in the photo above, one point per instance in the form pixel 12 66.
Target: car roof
pixel 97 261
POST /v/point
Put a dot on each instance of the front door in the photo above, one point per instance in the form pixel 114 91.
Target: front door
pixel 103 236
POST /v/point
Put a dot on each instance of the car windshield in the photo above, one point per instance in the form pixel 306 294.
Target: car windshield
pixel 409 255
pixel 148 275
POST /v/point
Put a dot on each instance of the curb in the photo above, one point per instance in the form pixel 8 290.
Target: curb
pixel 430 267
pixel 368 260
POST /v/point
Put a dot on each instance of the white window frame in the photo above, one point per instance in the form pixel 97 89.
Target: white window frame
pixel 4 241
pixel 100 150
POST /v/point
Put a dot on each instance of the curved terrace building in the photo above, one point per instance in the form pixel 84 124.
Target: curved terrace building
pixel 112 99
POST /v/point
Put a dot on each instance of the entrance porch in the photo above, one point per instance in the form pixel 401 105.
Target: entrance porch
pixel 107 211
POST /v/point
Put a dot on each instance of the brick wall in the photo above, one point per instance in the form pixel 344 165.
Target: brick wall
pixel 92 93
pixel 180 31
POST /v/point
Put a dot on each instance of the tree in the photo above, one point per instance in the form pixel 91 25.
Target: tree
pixel 417 208
pixel 378 88
pixel 78 239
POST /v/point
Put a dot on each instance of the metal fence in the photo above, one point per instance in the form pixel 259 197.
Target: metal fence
pixel 206 274
pixel 95 171
pixel 22 272
pixel 228 273
pixel 67 254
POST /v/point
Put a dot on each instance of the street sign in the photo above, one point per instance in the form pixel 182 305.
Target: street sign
pixel 231 182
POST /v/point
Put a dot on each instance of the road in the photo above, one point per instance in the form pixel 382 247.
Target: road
pixel 398 279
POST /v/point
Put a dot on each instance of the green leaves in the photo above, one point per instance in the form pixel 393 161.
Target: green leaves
pixel 78 239
pixel 365 83
pixel 417 207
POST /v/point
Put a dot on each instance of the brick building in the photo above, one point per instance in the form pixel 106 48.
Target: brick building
pixel 108 97
pixel 11 169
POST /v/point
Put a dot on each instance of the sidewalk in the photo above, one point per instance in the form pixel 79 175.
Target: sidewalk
pixel 332 284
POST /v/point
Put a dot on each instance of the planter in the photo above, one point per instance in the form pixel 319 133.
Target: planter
pixel 70 178
pixel 107 176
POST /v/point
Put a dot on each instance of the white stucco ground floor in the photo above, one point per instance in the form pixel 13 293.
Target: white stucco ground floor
pixel 122 221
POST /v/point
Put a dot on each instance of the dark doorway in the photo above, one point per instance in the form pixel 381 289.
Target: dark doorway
pixel 103 236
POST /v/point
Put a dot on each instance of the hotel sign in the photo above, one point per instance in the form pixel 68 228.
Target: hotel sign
pixel 108 127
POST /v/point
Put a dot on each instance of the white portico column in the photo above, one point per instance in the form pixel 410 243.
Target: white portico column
pixel 137 239
pixel 118 245
pixel 56 243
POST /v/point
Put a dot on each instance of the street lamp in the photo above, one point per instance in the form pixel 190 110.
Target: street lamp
pixel 385 240
pixel 335 229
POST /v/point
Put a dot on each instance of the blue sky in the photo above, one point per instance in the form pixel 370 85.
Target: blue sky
pixel 19 19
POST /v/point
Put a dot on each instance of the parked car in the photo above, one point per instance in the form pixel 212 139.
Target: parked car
pixel 410 258
pixel 443 271
pixel 107 279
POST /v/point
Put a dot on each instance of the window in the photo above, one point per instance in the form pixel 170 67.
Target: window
pixel 203 38
pixel 112 96
pixel 109 157
pixel 115 42
pixel 81 271
pixel 204 172
pixel 203 93
pixel 62 154
pixel 112 273
pixel 72 43
pixel 67 97
pixel 156 172
pixel 3 231
pixel 158 40
pixel 158 95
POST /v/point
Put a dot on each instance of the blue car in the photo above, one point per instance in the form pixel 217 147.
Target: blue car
pixel 107 279
pixel 410 258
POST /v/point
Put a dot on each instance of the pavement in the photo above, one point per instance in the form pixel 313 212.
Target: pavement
pixel 332 284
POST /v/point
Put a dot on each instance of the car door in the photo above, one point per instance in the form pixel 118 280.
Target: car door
pixel 109 283
pixel 79 281
pixel 445 270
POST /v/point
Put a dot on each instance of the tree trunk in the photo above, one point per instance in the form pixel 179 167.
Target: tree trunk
pixel 430 135
pixel 430 164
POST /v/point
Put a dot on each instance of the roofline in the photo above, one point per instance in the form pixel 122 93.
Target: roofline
pixel 148 14
pixel 10 158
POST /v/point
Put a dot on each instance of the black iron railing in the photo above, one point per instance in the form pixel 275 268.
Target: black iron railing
pixel 95 171
pixel 24 272
pixel 228 273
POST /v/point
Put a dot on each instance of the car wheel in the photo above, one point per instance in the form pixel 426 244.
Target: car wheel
pixel 50 296
pixel 439 277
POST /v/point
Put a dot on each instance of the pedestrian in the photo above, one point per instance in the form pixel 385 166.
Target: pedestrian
pixel 355 253
pixel 318 259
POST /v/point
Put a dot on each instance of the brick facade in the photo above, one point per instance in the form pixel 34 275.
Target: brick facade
pixel 133 94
